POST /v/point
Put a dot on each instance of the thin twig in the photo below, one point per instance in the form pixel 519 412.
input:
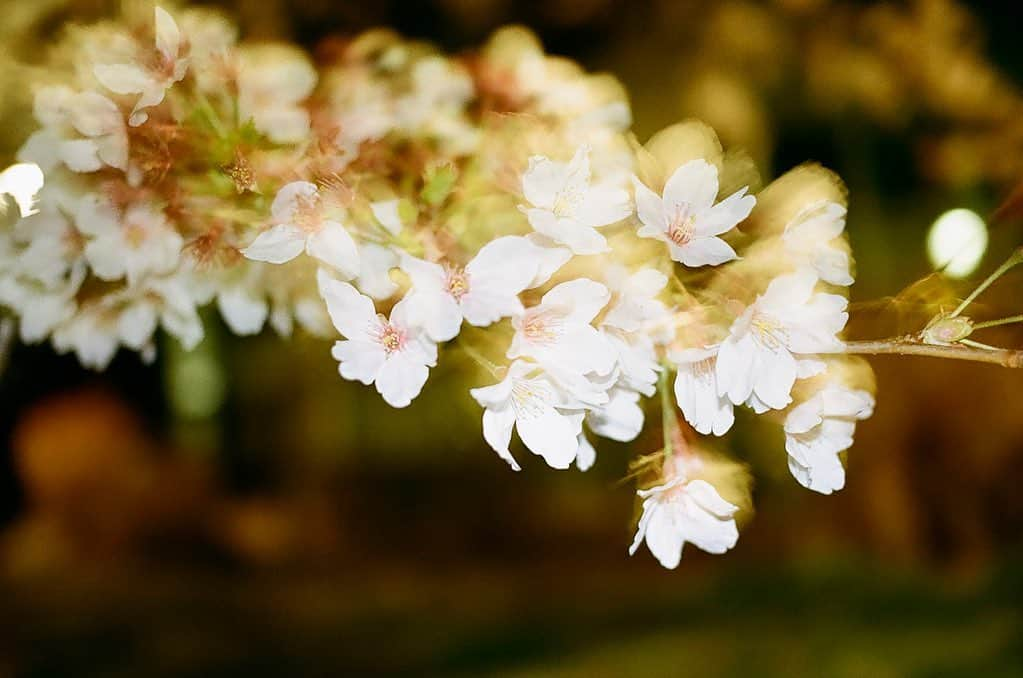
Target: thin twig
pixel 1015 258
pixel 903 346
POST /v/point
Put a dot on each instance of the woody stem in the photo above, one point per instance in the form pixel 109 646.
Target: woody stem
pixel 909 346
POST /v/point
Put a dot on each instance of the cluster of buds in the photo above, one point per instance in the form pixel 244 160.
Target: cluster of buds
pixel 493 203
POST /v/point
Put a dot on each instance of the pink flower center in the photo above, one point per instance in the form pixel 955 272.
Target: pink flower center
pixel 457 282
pixel 307 214
pixel 390 337
pixel 681 227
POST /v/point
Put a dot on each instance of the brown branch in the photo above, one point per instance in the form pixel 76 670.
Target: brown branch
pixel 908 346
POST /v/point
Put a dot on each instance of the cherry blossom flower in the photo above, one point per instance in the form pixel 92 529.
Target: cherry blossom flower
pixel 818 429
pixel 133 243
pixel 636 321
pixel 683 510
pixel 812 238
pixel 566 207
pixel 696 391
pixel 548 418
pixel 482 292
pixel 375 265
pixel 787 324
pixel 151 79
pixel 82 130
pixel 303 223
pixel 687 218
pixel 41 307
pixel 389 352
pixel 557 332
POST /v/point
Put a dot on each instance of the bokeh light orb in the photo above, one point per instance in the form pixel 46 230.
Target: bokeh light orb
pixel 956 242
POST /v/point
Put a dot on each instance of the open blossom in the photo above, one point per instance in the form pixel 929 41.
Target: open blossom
pixel 82 130
pixel 635 323
pixel 696 391
pixel 818 429
pixel 302 223
pixel 683 510
pixel 484 291
pixel 773 341
pixel 150 78
pixel 557 332
pixel 127 244
pixel 548 418
pixel 389 352
pixel 811 238
pixel 566 207
pixel 686 216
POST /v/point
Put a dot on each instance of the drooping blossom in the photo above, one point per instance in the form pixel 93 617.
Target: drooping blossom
pixel 548 418
pixel 687 218
pixel 391 353
pixel 811 238
pixel 818 429
pixel 567 207
pixel 773 341
pixel 303 222
pixel 696 391
pixel 684 510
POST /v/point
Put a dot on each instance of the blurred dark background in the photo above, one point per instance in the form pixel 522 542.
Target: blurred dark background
pixel 243 511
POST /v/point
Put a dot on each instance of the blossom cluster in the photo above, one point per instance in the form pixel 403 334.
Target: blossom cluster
pixel 406 204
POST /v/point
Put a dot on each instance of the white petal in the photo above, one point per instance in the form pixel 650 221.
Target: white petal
pixel 726 214
pixel 497 431
pixel 280 244
pixel 335 247
pixel 360 360
pixel 244 310
pixel 552 435
pixel 400 379
pixel 386 212
pixel 650 207
pixel 582 297
pixel 709 251
pixel 353 314
pixel 290 197
pixel 585 456
pixel 122 78
pixel 694 186
pixel 168 38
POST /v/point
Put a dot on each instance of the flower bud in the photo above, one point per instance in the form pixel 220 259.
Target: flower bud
pixel 947 330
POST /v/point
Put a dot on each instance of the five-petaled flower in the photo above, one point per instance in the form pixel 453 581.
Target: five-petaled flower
pixel 686 216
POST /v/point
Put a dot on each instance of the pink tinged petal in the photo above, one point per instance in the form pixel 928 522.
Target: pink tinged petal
pixel 335 247
pixel 287 201
pixel 551 435
pixel 386 212
pixel 243 310
pixel 725 215
pixel 360 360
pixel 497 431
pixel 693 187
pixel 278 245
pixel 401 379
pixel 123 78
pixel 585 456
pixel 664 536
pixel 80 155
pixel 650 208
pixel 582 298
pixel 168 38
pixel 702 252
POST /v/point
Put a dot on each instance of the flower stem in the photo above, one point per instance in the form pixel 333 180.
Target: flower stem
pixel 668 421
pixel 481 360
pixel 909 346
pixel 1015 258
pixel 1001 321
